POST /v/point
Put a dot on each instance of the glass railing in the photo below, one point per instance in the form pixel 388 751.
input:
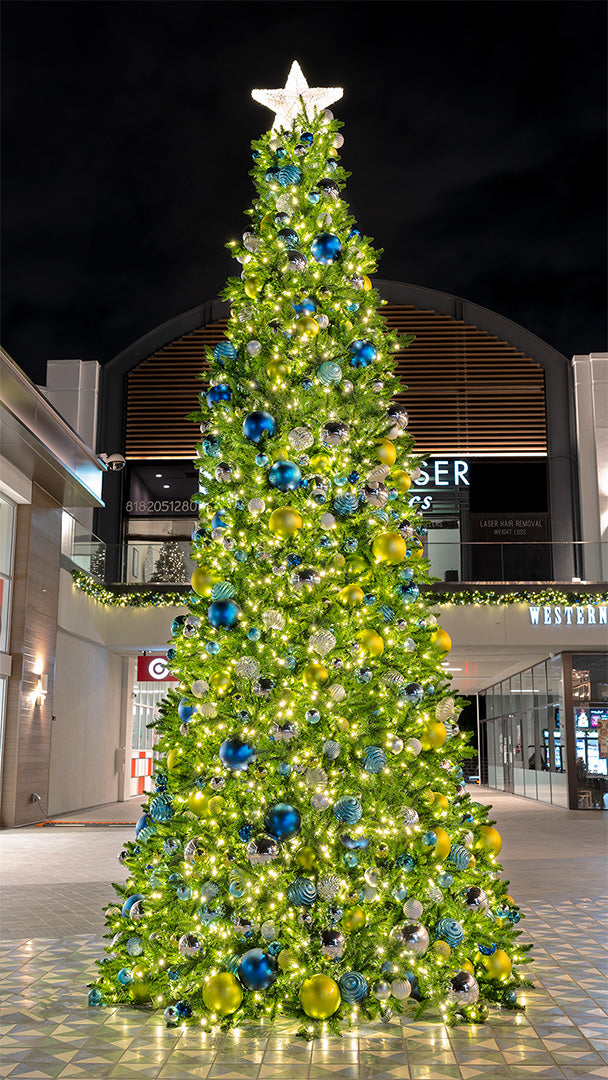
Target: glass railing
pixel 81 547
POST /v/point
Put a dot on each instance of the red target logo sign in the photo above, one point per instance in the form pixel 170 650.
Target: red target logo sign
pixel 154 668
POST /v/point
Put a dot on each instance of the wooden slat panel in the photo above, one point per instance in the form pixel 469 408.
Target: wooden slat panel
pixel 468 392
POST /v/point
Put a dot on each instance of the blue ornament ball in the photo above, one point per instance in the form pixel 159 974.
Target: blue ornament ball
pixel 128 904
pixel 171 1016
pixel 125 976
pixel 302 892
pixel 374 759
pixel 449 930
pixel 223 614
pixel 177 623
pixel 142 823
pixel 362 353
pixel 285 475
pixel 459 856
pixel 257 969
pixel 161 808
pixel 217 521
pixel 259 424
pixel 186 710
pixel 224 350
pixel 134 946
pixel 95 997
pixel 282 821
pixel 354 987
pixel 288 175
pixel 305 307
pixel 236 754
pixel 325 248
pixel 218 393
pixel 348 809
pixel 289 237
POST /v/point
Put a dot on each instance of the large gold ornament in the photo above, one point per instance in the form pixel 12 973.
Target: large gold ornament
pixel 489 839
pixel 371 642
pixel 354 919
pixel 320 997
pixel 400 480
pixel 307 327
pixel 198 803
pixel 306 857
pixel 351 595
pixel 285 521
pixel 222 993
pixel 253 286
pixel 385 452
pixel 221 682
pixel 389 547
pixel 433 736
pixel 498 965
pixel 441 641
pixel 202 581
pixel 443 845
pixel 277 369
pixel 178 763
pixel 315 675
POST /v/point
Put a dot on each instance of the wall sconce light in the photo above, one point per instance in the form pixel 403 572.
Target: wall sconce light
pixel 41 689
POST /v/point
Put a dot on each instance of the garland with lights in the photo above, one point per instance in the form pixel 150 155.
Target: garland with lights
pixel 310 849
pixel 145 598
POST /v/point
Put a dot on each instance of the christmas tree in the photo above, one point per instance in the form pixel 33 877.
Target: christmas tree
pixel 170 565
pixel 310 850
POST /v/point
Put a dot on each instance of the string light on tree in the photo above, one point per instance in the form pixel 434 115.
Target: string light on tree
pixel 310 849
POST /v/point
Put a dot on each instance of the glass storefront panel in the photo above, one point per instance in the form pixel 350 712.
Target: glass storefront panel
pixel 590 694
pixel 555 679
pixel 539 679
pixel 527 690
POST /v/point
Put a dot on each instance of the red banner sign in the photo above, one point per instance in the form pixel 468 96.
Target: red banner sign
pixel 154 668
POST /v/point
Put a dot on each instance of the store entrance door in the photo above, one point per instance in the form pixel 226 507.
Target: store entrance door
pixel 507 753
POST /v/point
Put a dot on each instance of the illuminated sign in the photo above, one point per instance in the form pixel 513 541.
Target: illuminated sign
pixel 439 473
pixel 569 615
pixel 153 668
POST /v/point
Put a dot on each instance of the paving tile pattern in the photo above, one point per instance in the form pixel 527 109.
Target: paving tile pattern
pixel 49 1032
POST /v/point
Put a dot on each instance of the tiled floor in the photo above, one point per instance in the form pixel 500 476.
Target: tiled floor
pixel 56 883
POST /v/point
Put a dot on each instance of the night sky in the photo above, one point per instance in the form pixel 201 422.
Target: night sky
pixel 475 133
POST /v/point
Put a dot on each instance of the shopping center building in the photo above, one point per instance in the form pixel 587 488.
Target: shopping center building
pixel 514 491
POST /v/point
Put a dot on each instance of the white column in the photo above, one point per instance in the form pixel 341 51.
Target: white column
pixel 591 405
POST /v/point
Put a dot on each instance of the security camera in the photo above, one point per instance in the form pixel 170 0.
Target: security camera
pixel 115 462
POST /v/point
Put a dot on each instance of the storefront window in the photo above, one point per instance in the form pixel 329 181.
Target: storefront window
pixel 7 531
pixel 590 694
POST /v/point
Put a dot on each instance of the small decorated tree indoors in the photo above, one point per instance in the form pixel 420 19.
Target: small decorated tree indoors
pixel 310 850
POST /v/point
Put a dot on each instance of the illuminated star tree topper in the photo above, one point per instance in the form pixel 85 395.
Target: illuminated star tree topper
pixel 287 101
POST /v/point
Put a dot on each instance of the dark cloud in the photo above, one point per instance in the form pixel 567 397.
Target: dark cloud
pixel 474 133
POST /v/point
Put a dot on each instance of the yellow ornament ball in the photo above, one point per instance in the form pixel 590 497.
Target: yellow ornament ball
pixel 286 960
pixel 285 521
pixel 198 803
pixel 466 965
pixel 509 900
pixel 140 991
pixel 178 763
pixel 416 548
pixel 351 595
pixel 252 286
pixel 202 581
pixel 367 285
pixel 498 965
pixel 356 565
pixel 386 452
pixel 443 845
pixel 307 327
pixel 441 641
pixel 320 997
pixel 222 993
pixel 489 839
pixel 319 461
pixel 221 682
pixel 217 805
pixel 433 736
pixel 371 642
pixel 315 675
pixel 354 919
pixel 277 369
pixel 440 801
pixel 400 480
pixel 389 547
pixel 306 857
pixel 442 949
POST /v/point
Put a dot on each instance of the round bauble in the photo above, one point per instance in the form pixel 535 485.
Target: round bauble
pixel 401 989
pixel 217 394
pixel 236 754
pixel 222 993
pixel 353 987
pixel 443 843
pixel 362 353
pixel 320 997
pixel 433 736
pixel 333 944
pixel 282 821
pixel 306 857
pixel 277 370
pixel 348 809
pixel 257 969
pixel 389 547
pixel 315 675
pixel 488 839
pixel 221 682
pixel 261 850
pixel 385 452
pixel 285 475
pixel 414 938
pixel 306 327
pixel 223 614
pixel 498 966
pixel 463 989
pixel 325 248
pixel 202 581
pixel 351 595
pixel 354 918
pixel 401 481
pixel 285 521
pixel 441 641
pixel 371 643
pixel 259 424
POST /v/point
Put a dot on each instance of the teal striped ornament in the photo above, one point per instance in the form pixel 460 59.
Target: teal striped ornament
pixel 329 373
pixel 224 590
